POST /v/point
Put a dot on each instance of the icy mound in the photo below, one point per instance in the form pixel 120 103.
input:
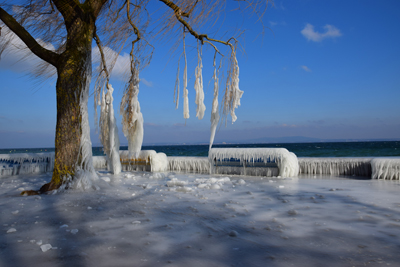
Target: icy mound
pixel 189 164
pixel 386 168
pixel 285 161
pixel 23 163
pixel 155 162
pixel 336 166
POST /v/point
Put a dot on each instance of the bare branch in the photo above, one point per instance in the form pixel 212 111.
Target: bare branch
pixel 47 55
pixel 187 14
pixel 103 60
pixel 178 14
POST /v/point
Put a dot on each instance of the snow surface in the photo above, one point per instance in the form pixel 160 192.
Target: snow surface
pixel 170 219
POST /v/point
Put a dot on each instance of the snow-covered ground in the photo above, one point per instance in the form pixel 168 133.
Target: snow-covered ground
pixel 171 219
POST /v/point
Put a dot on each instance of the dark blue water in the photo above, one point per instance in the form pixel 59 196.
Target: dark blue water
pixel 333 149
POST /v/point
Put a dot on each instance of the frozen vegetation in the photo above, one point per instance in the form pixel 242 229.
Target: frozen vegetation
pixel 170 219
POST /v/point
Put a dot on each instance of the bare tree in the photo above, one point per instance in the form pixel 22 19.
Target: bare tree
pixel 60 32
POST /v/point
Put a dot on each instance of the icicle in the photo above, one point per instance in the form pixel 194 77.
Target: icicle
pixel 198 87
pixel 214 111
pixel 189 164
pixel 132 117
pixel 176 89
pixel 185 91
pixel 386 168
pixel 232 91
pixel 109 131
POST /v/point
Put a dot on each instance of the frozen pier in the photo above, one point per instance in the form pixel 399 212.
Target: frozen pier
pixel 251 162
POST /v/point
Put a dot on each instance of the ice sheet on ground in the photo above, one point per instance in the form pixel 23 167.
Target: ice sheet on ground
pixel 247 221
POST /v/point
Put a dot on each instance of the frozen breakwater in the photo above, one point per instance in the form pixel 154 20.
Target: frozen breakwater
pixel 336 166
pixel 386 168
pixel 24 163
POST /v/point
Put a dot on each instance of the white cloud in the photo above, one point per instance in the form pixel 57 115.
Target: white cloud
pixel 121 67
pixel 305 68
pixel 17 57
pixel 330 32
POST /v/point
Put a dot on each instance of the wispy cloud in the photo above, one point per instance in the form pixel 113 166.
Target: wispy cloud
pixel 151 124
pixel 305 68
pixel 330 32
pixel 146 82
pixel 179 125
pixel 288 125
pixel 273 23
pixel 318 122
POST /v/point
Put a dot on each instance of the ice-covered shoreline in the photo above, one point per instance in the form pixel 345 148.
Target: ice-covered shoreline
pixel 386 168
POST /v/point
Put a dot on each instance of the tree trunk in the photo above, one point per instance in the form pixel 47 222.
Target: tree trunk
pixel 74 73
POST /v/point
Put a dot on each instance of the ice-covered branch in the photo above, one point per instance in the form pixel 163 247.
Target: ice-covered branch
pixel 214 110
pixel 198 87
pixel 132 118
pixel 232 91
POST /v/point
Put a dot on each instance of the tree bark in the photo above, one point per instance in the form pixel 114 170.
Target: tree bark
pixel 74 73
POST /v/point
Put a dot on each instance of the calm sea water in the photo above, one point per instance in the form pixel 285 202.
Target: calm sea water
pixel 333 149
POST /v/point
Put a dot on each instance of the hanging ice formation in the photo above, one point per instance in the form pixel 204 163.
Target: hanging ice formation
pixel 132 118
pixel 109 131
pixel 232 91
pixel 85 172
pixel 214 111
pixel 198 87
pixel 176 90
pixel 185 90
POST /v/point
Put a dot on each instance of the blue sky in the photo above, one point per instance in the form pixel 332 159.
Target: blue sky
pixel 325 69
